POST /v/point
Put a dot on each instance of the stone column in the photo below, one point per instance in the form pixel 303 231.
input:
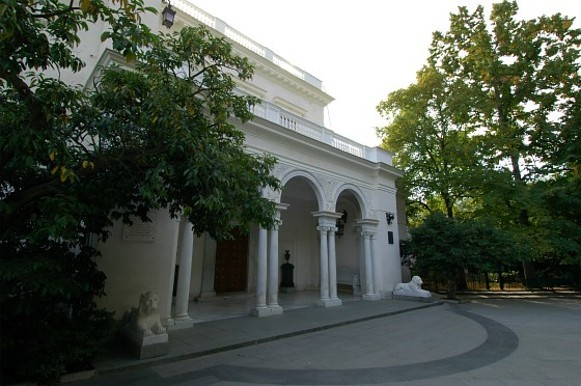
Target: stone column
pixel 272 299
pixel 369 294
pixel 267 270
pixel 181 318
pixel 332 266
pixel 209 267
pixel 167 317
pixel 328 264
pixel 376 268
pixel 260 307
pixel 324 264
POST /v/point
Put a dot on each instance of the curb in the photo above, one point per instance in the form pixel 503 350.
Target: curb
pixel 252 342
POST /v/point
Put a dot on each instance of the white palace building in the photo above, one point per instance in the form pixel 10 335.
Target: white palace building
pixel 341 219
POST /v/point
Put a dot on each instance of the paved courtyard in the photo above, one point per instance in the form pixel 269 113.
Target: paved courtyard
pixel 526 341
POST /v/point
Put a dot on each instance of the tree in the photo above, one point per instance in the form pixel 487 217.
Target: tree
pixel 513 87
pixel 522 75
pixel 432 142
pixel 524 79
pixel 75 160
pixel 447 248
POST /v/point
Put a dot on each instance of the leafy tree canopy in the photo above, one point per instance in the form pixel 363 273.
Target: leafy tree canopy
pixel 490 129
pixel 157 131
pixel 448 248
pixel 432 142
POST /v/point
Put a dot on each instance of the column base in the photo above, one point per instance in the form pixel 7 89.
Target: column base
pixel 275 309
pixel 371 297
pixel 329 302
pixel 181 323
pixel 167 322
pixel 208 294
pixel 260 312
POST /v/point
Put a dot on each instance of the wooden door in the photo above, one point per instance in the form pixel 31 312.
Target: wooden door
pixel 232 264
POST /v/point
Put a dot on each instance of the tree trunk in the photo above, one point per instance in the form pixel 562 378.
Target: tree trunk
pixel 452 289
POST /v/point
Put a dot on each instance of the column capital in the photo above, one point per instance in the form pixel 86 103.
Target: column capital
pixel 367 225
pixel 327 218
pixel 367 234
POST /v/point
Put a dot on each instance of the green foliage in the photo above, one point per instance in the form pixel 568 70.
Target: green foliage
pixel 50 323
pixel 432 142
pixel 448 248
pixel 490 129
pixel 74 160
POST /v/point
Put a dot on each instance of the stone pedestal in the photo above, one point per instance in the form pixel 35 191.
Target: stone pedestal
pixel 329 302
pixel 287 284
pixel 413 298
pixel 145 347
pixel 182 323
pixel 260 312
pixel 287 290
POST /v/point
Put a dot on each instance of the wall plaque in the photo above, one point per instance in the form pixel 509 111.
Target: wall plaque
pixel 140 231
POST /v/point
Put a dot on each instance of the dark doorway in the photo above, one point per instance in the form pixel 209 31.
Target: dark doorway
pixel 232 264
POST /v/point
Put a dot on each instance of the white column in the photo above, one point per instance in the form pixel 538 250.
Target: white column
pixel 181 318
pixel 369 294
pixel 167 318
pixel 324 264
pixel 376 268
pixel 260 307
pixel 272 300
pixel 332 266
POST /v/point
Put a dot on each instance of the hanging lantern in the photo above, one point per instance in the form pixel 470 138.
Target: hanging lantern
pixel 168 15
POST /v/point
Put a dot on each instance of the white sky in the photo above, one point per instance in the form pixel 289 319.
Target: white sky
pixel 362 50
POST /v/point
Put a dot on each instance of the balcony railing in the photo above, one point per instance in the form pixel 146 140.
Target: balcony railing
pixel 274 113
pixel 213 22
pixel 300 125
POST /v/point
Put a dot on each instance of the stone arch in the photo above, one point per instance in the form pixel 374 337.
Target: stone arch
pixel 359 197
pixel 355 204
pixel 314 183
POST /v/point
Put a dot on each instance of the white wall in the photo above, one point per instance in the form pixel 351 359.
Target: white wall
pixel 136 266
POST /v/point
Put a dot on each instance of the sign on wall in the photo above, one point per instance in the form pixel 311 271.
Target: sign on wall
pixel 140 230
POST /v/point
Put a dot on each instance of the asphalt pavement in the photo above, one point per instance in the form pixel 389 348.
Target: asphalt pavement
pixel 520 340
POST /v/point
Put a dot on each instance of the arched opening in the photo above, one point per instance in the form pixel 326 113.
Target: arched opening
pixel 298 232
pixel 348 246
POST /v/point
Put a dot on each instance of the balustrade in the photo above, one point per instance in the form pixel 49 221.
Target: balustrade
pixel 274 113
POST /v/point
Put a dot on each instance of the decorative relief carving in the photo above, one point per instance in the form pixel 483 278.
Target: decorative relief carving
pixel 280 170
pixel 368 203
pixel 367 234
pixel 329 185
pixel 271 194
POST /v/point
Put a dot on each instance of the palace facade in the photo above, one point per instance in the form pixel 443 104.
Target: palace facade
pixel 341 219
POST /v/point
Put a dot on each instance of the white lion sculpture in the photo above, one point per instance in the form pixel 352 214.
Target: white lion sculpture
pixel 413 288
pixel 145 319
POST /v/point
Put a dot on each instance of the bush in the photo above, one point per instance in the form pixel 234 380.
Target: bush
pixel 446 248
pixel 50 323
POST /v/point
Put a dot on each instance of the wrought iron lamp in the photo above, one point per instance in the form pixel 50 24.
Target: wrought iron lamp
pixel 389 217
pixel 168 15
pixel 340 224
